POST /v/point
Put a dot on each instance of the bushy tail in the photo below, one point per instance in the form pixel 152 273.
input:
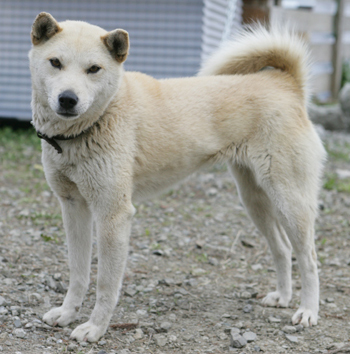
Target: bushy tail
pixel 257 47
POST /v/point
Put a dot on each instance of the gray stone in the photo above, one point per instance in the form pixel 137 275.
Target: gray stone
pixel 3 301
pixel 237 341
pixel 19 333
pixel 234 330
pixel 289 329
pixel 3 311
pixel 102 342
pixel 246 295
pixel 248 308
pixel 249 336
pixel 299 327
pixel 138 333
pixel 72 347
pixel 130 291
pixel 166 326
pixel 17 323
pixel 291 338
pixel 330 117
pixel 274 319
pixel 160 340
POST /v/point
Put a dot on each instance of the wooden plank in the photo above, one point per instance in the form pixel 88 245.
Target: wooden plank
pixel 321 52
pixel 304 20
pixel 338 46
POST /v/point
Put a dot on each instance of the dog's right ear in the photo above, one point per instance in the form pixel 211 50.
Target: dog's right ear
pixel 44 27
pixel 117 42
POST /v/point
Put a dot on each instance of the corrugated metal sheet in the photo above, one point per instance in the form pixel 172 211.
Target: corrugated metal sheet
pixel 222 19
pixel 165 39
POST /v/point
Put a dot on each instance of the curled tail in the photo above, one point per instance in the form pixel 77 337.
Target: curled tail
pixel 256 48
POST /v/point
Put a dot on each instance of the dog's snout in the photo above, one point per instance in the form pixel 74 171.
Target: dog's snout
pixel 68 99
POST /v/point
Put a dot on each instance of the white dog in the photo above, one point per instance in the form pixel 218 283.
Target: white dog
pixel 111 137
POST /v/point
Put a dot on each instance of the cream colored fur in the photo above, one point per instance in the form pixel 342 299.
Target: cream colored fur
pixel 148 134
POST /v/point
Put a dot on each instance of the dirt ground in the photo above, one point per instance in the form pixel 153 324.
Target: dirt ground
pixel 197 267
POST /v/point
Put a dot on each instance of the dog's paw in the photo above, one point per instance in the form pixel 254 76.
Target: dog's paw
pixel 306 317
pixel 88 332
pixel 275 299
pixel 59 316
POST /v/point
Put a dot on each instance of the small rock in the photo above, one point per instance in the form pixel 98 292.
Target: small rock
pixel 172 317
pixel 257 348
pixel 237 341
pixel 222 336
pixel 246 295
pixel 249 336
pixel 165 326
pixel 274 319
pixel 158 252
pixel 198 272
pixel 130 292
pixel 3 301
pixel 17 323
pixel 172 338
pixel 72 347
pixel 213 261
pixel 187 337
pixel 299 327
pixel 3 310
pixel 102 342
pixel 256 267
pixel 19 333
pixel 247 308
pixel 160 340
pixel 83 344
pixel 291 338
pixel 234 330
pixel 141 313
pixel 329 300
pixel 102 352
pixel 138 333
pixel 289 329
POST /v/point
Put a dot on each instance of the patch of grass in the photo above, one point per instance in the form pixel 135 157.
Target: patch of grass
pixel 202 258
pixel 339 153
pixel 334 183
pixel 53 238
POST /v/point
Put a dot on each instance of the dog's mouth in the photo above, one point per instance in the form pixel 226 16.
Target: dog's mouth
pixel 67 115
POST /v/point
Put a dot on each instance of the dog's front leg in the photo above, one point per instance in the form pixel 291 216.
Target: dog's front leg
pixel 113 230
pixel 78 225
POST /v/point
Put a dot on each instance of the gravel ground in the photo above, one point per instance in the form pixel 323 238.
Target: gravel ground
pixel 196 273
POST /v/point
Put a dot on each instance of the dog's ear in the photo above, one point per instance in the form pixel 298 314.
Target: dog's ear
pixel 44 27
pixel 117 42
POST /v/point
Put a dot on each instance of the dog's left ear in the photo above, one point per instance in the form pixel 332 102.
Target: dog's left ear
pixel 117 42
pixel 44 27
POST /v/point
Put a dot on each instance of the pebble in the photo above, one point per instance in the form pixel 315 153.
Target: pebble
pixel 130 292
pixel 102 342
pixel 249 336
pixel 160 340
pixel 166 326
pixel 19 333
pixel 238 341
pixel 138 333
pixel 274 319
pixel 2 301
pixel 246 295
pixel 234 330
pixel 72 347
pixel 248 308
pixel 141 313
pixel 172 317
pixel 291 338
pixel 198 272
pixel 289 329
pixel 17 323
pixel 257 266
pixel 3 311
pixel 102 352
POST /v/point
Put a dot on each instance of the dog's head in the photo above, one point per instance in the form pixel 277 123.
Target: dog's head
pixel 76 67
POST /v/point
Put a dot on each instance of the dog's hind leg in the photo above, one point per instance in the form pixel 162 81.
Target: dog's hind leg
pixel 77 221
pixel 262 213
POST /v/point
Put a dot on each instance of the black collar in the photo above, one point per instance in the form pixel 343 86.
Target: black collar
pixel 52 141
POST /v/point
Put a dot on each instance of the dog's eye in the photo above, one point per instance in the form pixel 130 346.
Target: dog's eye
pixel 56 63
pixel 94 69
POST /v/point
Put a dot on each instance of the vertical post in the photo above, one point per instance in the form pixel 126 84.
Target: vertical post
pixel 337 53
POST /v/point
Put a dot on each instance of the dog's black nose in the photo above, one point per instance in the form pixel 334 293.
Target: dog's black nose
pixel 68 99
